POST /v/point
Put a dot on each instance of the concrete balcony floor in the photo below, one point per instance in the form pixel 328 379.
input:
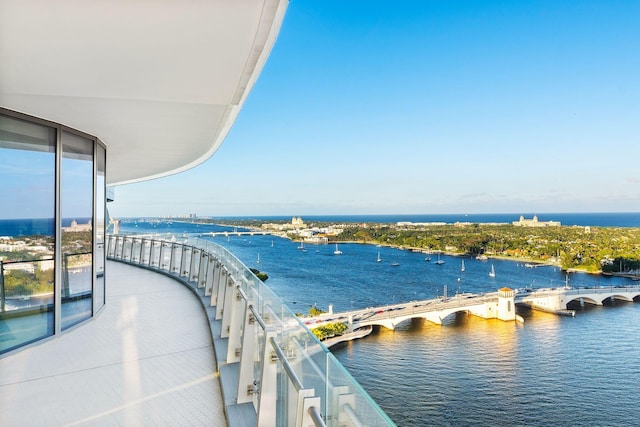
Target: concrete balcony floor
pixel 147 359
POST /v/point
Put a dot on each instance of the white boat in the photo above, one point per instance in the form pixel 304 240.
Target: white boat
pixel 482 257
pixel 428 259
pixel 258 260
pixel 462 268
pixel 395 264
pixel 379 259
pixel 492 273
pixel 439 261
pixel 337 251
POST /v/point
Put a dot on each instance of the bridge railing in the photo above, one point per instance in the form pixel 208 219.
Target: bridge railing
pixel 274 363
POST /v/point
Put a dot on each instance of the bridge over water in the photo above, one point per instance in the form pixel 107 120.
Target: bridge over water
pixel 498 305
pixel 238 233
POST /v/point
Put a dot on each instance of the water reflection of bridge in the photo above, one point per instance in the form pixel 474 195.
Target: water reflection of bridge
pixel 499 305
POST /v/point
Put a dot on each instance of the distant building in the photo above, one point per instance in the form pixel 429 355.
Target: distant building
pixel 78 227
pixel 535 223
pixel 297 222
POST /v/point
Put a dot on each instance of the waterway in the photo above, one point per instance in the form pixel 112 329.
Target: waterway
pixel 548 371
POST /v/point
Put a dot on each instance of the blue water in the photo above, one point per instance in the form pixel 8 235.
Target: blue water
pixel 33 226
pixel 25 227
pixel 470 371
pixel 629 219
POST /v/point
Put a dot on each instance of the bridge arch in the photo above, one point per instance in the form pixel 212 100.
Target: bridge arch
pixel 618 297
pixel 454 313
pixel 581 300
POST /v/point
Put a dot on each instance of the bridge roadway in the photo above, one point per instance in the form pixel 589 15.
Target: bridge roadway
pixel 237 233
pixel 434 310
pixel 487 305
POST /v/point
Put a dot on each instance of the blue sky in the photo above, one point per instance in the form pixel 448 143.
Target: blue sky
pixel 429 107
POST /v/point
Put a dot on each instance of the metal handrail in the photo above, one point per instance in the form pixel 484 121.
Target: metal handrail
pixel 287 366
pixel 27 260
pixel 314 412
pixel 258 318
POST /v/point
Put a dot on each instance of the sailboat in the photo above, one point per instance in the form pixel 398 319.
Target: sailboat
pixel 492 273
pixel 258 261
pixel 301 247
pixel 337 251
pixel 379 259
pixel 462 268
pixel 439 261
pixel 272 243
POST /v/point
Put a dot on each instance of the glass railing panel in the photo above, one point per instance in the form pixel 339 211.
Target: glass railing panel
pixel 127 248
pixel 165 256
pixel 119 245
pixel 347 401
pixel 146 252
pixel 176 258
pixel 136 250
pixel 154 261
pixel 185 261
pixel 26 302
pixel 111 246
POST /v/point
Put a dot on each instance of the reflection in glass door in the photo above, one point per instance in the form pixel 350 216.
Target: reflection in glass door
pixel 76 206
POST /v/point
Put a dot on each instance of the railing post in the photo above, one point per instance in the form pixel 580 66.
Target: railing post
pixel 306 416
pixel 194 265
pixel 208 284
pixel 235 332
pixel 172 266
pixel 151 252
pixel 222 288
pixel 247 386
pixel 131 250
pixel 268 387
pixel 183 262
pixel 227 311
pixel 202 271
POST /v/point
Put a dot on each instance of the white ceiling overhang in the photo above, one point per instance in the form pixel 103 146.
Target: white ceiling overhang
pixel 159 82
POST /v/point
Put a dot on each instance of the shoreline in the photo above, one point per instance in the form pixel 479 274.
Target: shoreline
pixel 535 262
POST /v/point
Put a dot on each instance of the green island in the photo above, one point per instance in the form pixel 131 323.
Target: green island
pixel 608 250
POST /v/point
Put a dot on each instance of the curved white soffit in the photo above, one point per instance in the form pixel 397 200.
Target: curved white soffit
pixel 159 82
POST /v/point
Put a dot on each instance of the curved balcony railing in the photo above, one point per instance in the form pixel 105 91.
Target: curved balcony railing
pixel 270 364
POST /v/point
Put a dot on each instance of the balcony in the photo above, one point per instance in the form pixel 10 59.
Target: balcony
pixel 147 359
pixel 220 350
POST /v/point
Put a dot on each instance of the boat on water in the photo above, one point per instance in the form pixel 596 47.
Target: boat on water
pixel 492 273
pixel 428 259
pixel 301 247
pixel 258 260
pixel 395 264
pixel 337 251
pixel 482 257
pixel 439 261
pixel 462 268
pixel 379 259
